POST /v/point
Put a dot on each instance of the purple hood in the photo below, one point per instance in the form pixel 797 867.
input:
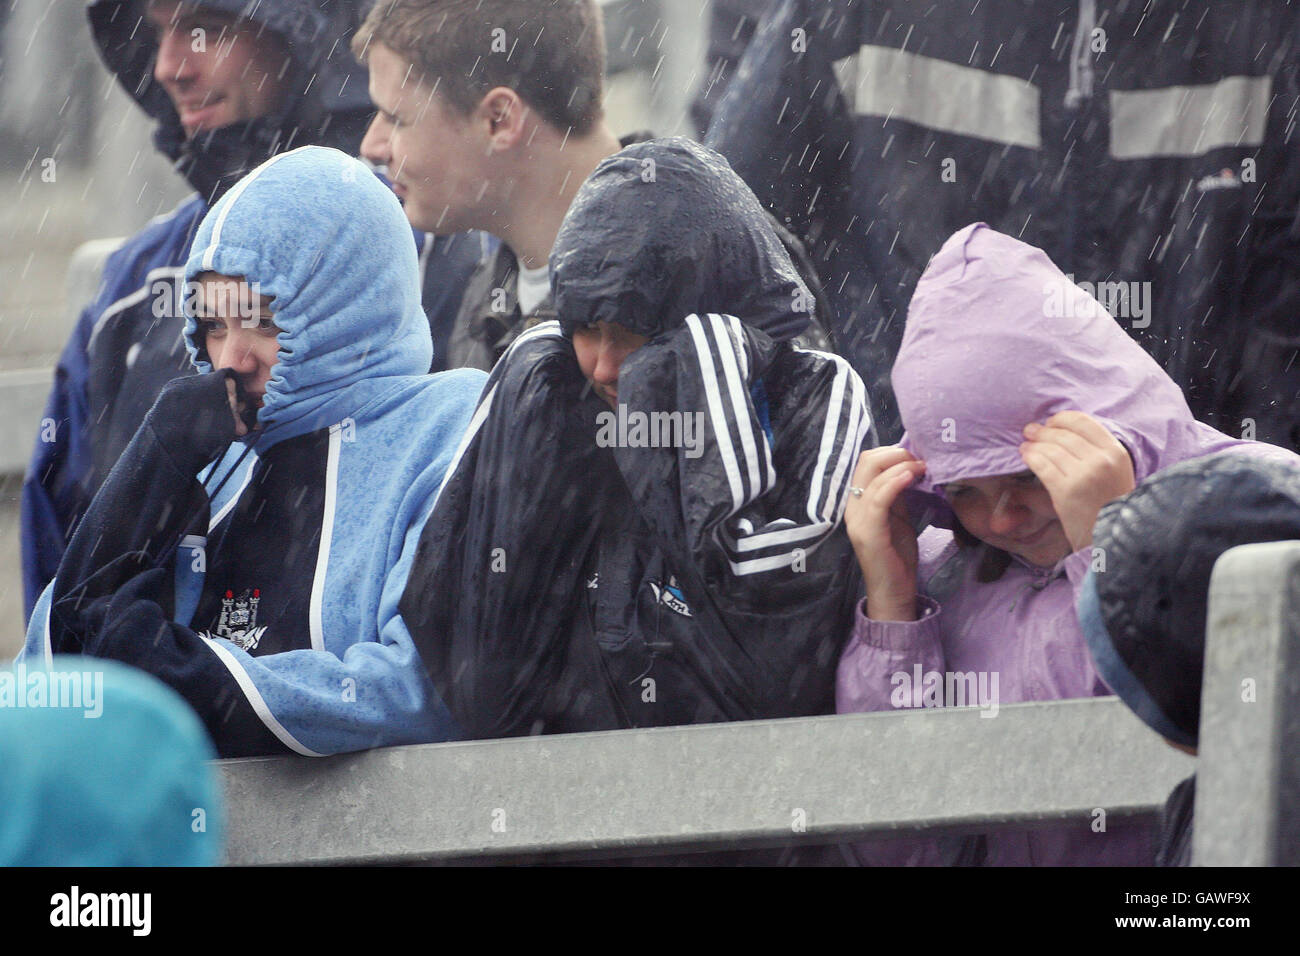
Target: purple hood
pixel 998 337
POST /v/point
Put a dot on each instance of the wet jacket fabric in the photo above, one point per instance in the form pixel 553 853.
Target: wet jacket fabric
pixel 1145 615
pixel 585 570
pixel 490 317
pixel 731 28
pixel 103 766
pixel 1175 847
pixel 127 342
pixel 977 318
pixel 260 577
pixel 1134 143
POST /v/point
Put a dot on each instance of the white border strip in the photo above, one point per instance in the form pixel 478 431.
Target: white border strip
pixel 941 95
pixel 710 379
pixel 170 273
pixel 236 494
pixel 255 698
pixel 326 538
pixel 739 401
pixel 1189 120
pixel 232 197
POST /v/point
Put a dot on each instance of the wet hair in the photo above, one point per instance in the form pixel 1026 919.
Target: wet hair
pixel 993 562
pixel 550 52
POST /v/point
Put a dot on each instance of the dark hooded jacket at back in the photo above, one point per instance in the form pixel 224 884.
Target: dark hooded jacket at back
pixel 326 102
pixel 127 343
pixel 1149 147
pixel 1146 617
pixel 678 559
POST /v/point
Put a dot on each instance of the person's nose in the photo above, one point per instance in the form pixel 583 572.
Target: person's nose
pixel 1008 514
pixel 236 353
pixel 176 61
pixel 374 146
pixel 609 359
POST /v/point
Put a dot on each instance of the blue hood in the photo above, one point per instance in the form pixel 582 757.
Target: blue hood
pixel 104 765
pixel 318 232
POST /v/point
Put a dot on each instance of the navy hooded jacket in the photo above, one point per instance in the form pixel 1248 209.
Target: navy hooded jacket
pixel 127 342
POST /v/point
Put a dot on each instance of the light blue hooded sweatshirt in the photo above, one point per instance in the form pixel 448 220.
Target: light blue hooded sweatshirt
pixel 280 606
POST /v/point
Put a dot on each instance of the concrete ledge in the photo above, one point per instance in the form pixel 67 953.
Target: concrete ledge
pixel 22 397
pixel 1248 784
pixel 23 391
pixel 713 786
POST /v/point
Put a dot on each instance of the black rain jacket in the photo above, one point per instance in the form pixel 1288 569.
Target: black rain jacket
pixel 578 573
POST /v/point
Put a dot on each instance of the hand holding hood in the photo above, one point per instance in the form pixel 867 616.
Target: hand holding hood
pixel 998 337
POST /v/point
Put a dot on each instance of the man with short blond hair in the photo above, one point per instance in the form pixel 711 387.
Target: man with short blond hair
pixel 489 117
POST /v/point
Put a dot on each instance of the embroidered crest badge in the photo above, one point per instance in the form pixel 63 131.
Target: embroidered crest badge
pixel 238 620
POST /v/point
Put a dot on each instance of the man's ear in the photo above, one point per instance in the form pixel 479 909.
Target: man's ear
pixel 504 114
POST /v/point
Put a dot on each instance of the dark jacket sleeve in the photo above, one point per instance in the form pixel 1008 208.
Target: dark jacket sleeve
pixel 491 593
pixel 147 502
pixel 749 512
pixel 447 263
pixel 783 123
pixel 113 594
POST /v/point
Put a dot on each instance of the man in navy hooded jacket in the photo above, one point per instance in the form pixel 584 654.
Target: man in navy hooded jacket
pixel 250 546
pixel 228 83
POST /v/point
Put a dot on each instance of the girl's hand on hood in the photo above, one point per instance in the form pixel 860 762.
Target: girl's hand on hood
pixel 1082 466
pixel 882 536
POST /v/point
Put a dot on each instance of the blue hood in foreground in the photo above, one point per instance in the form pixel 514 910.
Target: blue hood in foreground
pixel 103 766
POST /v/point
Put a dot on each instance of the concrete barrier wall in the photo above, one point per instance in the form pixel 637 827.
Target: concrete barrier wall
pixel 815 779
pixel 1248 780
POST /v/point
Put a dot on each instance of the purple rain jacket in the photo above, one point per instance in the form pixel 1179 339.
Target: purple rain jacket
pixel 996 338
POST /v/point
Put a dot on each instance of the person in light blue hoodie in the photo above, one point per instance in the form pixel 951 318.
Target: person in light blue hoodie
pixel 251 546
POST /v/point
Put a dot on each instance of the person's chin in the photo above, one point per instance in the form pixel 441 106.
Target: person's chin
pixel 416 215
pixel 206 119
pixel 417 219
pixel 1044 549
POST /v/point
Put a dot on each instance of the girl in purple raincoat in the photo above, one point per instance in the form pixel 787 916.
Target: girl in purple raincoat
pixel 1026 408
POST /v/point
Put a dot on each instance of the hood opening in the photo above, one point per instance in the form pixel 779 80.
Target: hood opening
pixel 326 103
